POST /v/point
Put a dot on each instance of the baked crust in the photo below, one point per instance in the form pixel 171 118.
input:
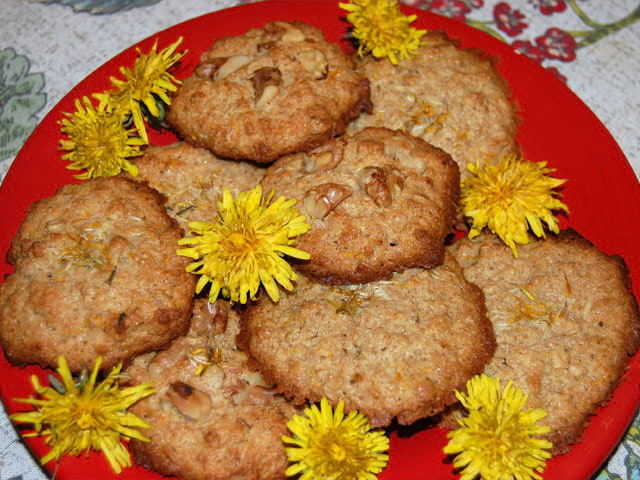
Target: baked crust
pixel 391 349
pixel 96 273
pixel 291 91
pixel 569 345
pixel 378 202
pixel 450 97
pixel 237 435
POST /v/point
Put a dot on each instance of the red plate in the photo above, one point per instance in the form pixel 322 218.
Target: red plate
pixel 602 193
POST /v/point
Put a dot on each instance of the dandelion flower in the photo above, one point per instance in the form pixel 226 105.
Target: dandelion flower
pixel 330 446
pixel 86 416
pixel 382 29
pixel 510 198
pixel 496 440
pixel 97 141
pixel 148 81
pixel 246 246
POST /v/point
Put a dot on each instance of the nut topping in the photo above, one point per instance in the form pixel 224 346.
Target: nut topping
pixel 381 184
pixel 208 68
pixel 322 199
pixel 314 62
pixel 220 312
pixel 292 35
pixel 190 402
pixel 231 65
pixel 265 81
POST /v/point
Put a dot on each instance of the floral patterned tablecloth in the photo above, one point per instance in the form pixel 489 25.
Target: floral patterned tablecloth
pixel 48 46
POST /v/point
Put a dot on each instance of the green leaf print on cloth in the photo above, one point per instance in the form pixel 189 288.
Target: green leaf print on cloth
pixel 20 99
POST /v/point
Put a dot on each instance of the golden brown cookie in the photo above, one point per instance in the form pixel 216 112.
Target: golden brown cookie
pixel 378 202
pixel 452 98
pixel 390 349
pixel 96 273
pixel 192 179
pixel 272 91
pixel 565 322
pixel 225 423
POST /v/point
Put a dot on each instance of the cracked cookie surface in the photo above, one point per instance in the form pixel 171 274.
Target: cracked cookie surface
pixel 378 202
pixel 96 273
pixel 390 349
pixel 272 91
pixel 450 97
pixel 565 323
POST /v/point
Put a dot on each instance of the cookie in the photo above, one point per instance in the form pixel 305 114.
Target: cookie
pixel 389 349
pixel 192 179
pixel 378 202
pixel 96 273
pixel 565 322
pixel 452 98
pixel 272 91
pixel 224 423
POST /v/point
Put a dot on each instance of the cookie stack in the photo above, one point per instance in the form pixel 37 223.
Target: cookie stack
pixel 384 316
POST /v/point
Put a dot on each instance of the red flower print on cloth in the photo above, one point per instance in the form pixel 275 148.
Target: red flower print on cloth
pixel 529 49
pixel 455 9
pixel 509 21
pixel 557 44
pixel 477 3
pixel 548 7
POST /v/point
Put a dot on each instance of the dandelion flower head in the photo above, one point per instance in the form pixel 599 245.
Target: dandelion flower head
pixel 326 445
pixel 149 79
pixel 497 439
pixel 382 29
pixel 97 142
pixel 86 415
pixel 511 198
pixel 245 248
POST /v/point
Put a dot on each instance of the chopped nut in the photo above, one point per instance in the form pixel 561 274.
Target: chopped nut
pixel 220 312
pixel 381 184
pixel 318 162
pixel 231 65
pixel 322 199
pixel 270 92
pixel 403 150
pixel 314 62
pixel 292 35
pixel 208 68
pixel 190 402
pixel 265 84
pixel 254 395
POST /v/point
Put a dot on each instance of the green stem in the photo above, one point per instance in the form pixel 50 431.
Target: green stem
pixel 485 28
pixel 599 30
pixel 583 16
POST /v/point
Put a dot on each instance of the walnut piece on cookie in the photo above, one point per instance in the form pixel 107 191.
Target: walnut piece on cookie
pixel 450 97
pixel 225 422
pixel 565 321
pixel 389 349
pixel 378 202
pixel 272 91
pixel 96 273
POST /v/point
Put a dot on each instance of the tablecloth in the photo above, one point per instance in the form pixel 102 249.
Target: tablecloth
pixel 48 46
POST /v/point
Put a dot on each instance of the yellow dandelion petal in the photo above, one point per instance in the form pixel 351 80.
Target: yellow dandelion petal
pixel 382 29
pixel 245 248
pixel 149 78
pixel 326 445
pixel 511 198
pixel 97 141
pixel 86 416
pixel 496 440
